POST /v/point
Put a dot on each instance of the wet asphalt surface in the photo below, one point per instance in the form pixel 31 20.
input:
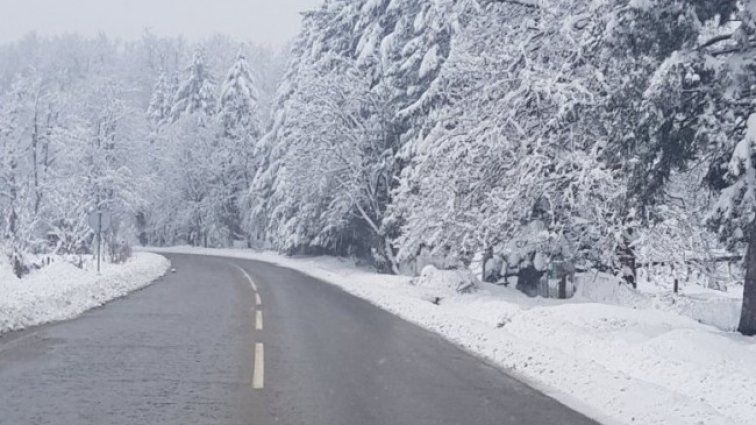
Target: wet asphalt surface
pixel 182 351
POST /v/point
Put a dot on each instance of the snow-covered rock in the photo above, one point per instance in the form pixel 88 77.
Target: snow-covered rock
pixel 446 281
pixel 62 291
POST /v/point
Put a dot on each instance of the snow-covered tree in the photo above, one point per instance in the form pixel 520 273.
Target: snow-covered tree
pixel 240 126
pixel 161 102
pixel 12 181
pixel 507 147
pixel 196 94
pixel 682 96
pixel 239 101
pixel 388 54
pixel 77 116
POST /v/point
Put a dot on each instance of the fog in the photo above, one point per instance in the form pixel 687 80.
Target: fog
pixel 271 22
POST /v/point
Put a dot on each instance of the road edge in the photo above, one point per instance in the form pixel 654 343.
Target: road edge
pixel 76 295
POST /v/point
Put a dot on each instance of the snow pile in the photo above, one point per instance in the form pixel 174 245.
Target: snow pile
pixel 720 312
pixel 617 364
pixel 61 291
pixel 715 308
pixel 446 282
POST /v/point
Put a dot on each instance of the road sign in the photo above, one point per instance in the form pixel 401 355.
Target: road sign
pixel 100 220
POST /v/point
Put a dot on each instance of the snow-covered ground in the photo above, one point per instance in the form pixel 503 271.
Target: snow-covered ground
pixel 707 306
pixel 618 364
pixel 61 291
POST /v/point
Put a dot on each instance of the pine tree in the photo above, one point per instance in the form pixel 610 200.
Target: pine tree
pixel 682 94
pixel 321 53
pixel 384 56
pixel 240 127
pixel 239 101
pixel 196 94
pixel 731 149
pixel 159 109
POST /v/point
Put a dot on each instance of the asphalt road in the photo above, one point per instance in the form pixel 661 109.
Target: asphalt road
pixel 192 349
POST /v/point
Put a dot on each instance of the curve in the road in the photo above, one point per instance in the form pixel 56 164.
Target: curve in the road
pixel 185 350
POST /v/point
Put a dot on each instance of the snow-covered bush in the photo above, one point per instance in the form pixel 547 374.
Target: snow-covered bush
pixel 446 282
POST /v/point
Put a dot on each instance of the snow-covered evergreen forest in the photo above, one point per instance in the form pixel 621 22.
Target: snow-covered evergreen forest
pixel 494 135
pixel 160 132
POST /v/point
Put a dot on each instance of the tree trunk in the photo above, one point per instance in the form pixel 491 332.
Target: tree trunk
pixel 627 262
pixel 488 254
pixel 748 314
pixel 388 252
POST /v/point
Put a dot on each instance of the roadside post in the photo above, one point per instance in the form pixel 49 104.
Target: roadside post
pixel 562 272
pixel 99 221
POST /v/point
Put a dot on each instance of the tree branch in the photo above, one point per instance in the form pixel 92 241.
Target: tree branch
pixel 715 40
pixel 525 3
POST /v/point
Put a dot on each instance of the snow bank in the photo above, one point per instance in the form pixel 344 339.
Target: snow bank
pixel 715 308
pixel 720 312
pixel 61 291
pixel 618 364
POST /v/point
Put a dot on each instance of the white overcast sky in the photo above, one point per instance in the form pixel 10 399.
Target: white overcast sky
pixel 270 22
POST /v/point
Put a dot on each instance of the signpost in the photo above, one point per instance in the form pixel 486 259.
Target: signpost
pixel 99 220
